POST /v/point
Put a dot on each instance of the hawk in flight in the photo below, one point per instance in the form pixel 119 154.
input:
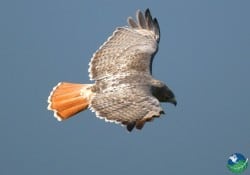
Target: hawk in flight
pixel 124 90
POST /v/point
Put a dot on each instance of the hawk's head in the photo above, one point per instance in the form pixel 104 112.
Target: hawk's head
pixel 164 94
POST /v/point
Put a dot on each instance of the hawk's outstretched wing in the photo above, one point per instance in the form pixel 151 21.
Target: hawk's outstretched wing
pixel 129 49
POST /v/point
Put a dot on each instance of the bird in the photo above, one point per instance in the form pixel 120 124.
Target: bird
pixel 124 90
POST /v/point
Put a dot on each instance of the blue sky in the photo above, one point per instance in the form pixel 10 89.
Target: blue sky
pixel 204 57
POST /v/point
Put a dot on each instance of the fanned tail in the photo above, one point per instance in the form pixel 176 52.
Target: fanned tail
pixel 68 99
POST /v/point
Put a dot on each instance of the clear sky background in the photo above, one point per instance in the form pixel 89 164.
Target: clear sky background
pixel 204 57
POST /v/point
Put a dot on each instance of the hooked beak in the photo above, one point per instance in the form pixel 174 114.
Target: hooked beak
pixel 173 101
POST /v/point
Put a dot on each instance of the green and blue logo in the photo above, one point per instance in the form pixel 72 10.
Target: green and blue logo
pixel 237 163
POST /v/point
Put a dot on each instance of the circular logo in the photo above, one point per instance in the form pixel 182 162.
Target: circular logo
pixel 237 163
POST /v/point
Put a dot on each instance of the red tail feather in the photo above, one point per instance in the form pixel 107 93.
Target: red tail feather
pixel 68 99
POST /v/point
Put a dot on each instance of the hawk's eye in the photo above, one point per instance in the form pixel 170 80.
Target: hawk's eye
pixel 171 94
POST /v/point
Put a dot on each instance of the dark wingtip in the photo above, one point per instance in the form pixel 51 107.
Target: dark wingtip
pixel 147 12
pixel 141 19
pixel 157 28
pixel 149 20
pixel 132 23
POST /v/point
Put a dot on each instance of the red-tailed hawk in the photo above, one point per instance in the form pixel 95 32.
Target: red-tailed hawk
pixel 124 90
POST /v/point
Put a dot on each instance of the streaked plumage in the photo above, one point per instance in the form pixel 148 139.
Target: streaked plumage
pixel 124 90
